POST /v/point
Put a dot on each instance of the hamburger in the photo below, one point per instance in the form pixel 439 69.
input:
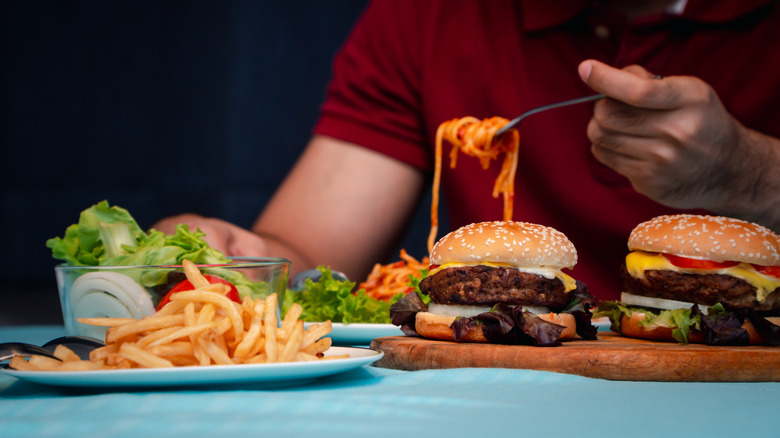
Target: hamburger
pixel 699 279
pixel 499 282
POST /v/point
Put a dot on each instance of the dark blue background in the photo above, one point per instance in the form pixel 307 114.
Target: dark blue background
pixel 159 107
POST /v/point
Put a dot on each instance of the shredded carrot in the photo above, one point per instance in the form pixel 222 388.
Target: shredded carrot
pixel 385 281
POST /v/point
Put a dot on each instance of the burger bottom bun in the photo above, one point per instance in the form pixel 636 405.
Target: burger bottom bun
pixel 630 327
pixel 566 320
pixel 432 326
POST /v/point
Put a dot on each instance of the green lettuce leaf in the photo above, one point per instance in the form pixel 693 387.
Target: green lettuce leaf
pixel 331 299
pixel 109 236
pixel 414 283
pixel 681 321
pixel 102 230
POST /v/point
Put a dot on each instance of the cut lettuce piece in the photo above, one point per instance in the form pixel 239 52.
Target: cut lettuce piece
pixel 681 321
pixel 331 299
pixel 102 231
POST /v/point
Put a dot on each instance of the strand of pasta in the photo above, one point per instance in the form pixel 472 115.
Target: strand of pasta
pixel 475 137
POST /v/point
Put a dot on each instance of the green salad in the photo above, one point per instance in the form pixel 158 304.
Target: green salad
pixel 109 236
pixel 334 300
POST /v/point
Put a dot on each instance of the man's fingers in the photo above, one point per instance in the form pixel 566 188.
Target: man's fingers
pixel 637 158
pixel 617 116
pixel 633 85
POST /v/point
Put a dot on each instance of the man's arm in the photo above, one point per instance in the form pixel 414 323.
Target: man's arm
pixel 677 144
pixel 342 205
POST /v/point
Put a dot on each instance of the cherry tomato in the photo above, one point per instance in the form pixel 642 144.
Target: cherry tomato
pixel 685 262
pixel 186 285
pixel 772 271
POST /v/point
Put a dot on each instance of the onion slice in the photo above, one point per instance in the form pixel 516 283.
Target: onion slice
pixel 466 311
pixel 657 303
pixel 457 310
pixel 107 294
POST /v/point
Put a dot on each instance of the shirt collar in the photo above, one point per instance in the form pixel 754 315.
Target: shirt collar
pixel 542 14
pixel 721 10
pixel 677 7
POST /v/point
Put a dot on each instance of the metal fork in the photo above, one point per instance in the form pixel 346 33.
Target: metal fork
pixel 81 345
pixel 519 118
pixel 10 349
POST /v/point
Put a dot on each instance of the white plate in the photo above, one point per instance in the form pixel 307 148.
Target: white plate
pixel 266 375
pixel 602 323
pixel 363 333
pixel 360 334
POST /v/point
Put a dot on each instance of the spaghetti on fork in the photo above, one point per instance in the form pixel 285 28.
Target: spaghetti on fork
pixel 476 138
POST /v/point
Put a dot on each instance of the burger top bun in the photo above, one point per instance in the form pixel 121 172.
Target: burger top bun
pixel 713 238
pixel 515 243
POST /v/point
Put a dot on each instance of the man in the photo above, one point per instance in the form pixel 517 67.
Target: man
pixel 702 138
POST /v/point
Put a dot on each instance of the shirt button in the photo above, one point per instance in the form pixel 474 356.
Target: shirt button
pixel 601 31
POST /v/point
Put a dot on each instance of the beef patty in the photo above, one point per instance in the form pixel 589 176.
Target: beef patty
pixel 706 289
pixel 484 285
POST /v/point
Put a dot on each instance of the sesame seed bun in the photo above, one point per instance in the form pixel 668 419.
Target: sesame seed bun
pixel 518 244
pixel 713 238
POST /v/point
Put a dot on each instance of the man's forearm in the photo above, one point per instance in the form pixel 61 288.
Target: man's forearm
pixel 754 190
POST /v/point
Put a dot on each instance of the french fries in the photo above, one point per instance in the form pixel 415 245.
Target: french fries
pixel 69 361
pixel 198 327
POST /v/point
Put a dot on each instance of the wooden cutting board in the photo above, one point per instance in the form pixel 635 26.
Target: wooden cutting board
pixel 611 357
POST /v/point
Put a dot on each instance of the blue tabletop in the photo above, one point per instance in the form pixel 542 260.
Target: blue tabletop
pixel 372 401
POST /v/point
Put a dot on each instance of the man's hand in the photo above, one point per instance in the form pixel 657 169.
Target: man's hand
pixel 677 144
pixel 231 239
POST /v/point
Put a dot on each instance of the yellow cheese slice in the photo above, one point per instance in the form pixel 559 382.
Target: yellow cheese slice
pixel 637 262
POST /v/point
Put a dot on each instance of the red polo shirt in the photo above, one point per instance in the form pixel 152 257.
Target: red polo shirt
pixel 409 65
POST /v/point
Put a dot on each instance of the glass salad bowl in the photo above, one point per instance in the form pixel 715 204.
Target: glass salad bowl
pixel 136 291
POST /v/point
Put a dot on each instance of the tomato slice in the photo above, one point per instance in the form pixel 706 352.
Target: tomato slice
pixel 685 262
pixel 772 271
pixel 186 285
